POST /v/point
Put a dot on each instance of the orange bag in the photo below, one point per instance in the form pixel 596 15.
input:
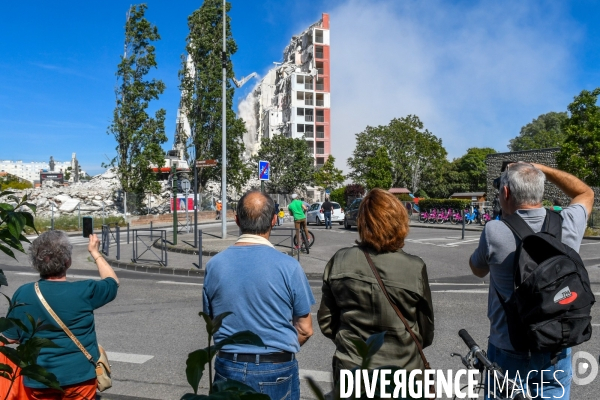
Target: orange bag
pixel 17 392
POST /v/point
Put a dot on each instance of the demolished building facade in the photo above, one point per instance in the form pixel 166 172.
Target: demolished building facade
pixel 293 99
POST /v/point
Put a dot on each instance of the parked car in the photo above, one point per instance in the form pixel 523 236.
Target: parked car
pixel 351 214
pixel 315 215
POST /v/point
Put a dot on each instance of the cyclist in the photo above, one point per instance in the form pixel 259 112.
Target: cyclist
pixel 297 210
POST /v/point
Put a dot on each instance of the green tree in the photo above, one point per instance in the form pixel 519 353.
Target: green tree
pixel 339 196
pixel 201 86
pixel 543 132
pixel 291 163
pixel 138 135
pixel 580 153
pixel 379 170
pixel 416 154
pixel 328 176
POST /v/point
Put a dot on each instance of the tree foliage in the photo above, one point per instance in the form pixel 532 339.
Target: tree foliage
pixel 543 132
pixel 291 163
pixel 416 154
pixel 138 135
pixel 201 86
pixel 328 176
pixel 339 196
pixel 580 153
pixel 13 182
pixel 379 170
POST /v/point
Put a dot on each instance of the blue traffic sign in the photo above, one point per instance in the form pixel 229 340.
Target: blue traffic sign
pixel 264 170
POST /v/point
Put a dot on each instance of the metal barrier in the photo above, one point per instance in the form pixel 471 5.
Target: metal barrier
pixel 199 237
pixel 146 237
pixel 105 246
pixel 290 235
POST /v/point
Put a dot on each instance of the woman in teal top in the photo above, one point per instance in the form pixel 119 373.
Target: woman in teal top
pixel 74 303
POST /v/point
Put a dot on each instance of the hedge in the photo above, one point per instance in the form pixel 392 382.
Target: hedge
pixel 455 204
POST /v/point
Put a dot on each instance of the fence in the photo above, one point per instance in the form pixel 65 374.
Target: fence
pixel 146 238
pixel 594 220
pixel 290 235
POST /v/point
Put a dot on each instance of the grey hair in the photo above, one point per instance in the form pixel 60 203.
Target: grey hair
pixel 526 183
pixel 50 253
pixel 256 217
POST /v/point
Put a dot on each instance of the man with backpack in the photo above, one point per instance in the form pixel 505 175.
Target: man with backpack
pixel 534 322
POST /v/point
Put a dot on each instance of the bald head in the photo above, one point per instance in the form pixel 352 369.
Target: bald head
pixel 255 212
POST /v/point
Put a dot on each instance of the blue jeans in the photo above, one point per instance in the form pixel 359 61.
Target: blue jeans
pixel 278 380
pixel 513 361
pixel 327 215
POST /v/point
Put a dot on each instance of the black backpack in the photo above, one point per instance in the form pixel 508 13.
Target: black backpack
pixel 550 307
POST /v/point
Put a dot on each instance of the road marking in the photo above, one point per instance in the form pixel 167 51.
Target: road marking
pixel 180 283
pixel 458 284
pixel 74 276
pixel 460 291
pixel 321 376
pixel 128 358
pixel 587 244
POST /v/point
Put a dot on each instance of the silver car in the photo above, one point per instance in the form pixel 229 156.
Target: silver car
pixel 315 215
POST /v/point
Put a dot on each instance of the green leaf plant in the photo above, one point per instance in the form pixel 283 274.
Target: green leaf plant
pixel 14 217
pixel 198 360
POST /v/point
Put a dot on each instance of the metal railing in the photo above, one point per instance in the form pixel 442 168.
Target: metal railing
pixel 107 234
pixel 292 231
pixel 320 71
pixel 308 102
pixel 320 135
pixel 320 86
pixel 146 238
pixel 308 134
pixel 320 150
pixel 320 103
pixel 320 118
pixel 308 86
pixel 319 54
pixel 308 118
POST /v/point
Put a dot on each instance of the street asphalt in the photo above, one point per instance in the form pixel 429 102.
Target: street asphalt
pixel 153 323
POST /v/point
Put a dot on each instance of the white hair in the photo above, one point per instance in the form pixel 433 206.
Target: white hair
pixel 525 182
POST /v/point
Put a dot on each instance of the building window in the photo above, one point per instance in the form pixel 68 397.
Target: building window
pixel 320 116
pixel 320 85
pixel 308 99
pixel 308 115
pixel 319 52
pixel 300 128
pixel 320 69
pixel 320 100
pixel 300 111
pixel 320 148
pixel 320 132
pixel 308 131
pixel 308 83
pixel 310 146
pixel 300 79
pixel 320 162
pixel 318 36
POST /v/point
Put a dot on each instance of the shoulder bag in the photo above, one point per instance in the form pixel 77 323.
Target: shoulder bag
pixel 102 366
pixel 399 313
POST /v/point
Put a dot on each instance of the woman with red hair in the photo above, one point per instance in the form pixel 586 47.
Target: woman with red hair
pixel 354 305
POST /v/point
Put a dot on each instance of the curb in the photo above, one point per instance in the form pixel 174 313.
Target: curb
pixel 155 270
pixel 194 252
pixel 446 227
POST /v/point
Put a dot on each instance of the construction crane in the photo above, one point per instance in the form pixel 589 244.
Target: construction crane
pixel 241 82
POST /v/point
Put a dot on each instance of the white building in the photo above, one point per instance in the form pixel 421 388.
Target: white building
pixel 293 99
pixel 30 171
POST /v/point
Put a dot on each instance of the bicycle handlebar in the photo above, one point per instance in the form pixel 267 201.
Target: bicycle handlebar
pixel 464 335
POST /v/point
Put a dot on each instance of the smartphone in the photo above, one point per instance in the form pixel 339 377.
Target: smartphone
pixel 88 226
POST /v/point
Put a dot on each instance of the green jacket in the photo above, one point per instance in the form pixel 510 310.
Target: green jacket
pixel 353 306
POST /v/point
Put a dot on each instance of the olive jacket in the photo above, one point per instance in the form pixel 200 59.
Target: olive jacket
pixel 353 306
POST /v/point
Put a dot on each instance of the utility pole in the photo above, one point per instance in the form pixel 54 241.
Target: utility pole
pixel 224 143
pixel 175 222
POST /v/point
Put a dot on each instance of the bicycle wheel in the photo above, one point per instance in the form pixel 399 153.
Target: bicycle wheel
pixel 311 238
pixel 422 217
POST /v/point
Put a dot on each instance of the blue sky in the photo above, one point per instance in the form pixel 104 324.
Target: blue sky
pixel 473 71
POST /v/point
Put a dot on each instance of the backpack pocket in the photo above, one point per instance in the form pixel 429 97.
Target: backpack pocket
pixel 557 334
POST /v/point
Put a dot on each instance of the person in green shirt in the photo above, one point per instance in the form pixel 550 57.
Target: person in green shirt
pixel 298 211
pixel 74 303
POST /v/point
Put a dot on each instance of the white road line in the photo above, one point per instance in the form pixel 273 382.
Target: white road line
pixel 460 291
pixel 321 376
pixel 587 244
pixel 128 358
pixel 74 276
pixel 459 284
pixel 462 241
pixel 180 283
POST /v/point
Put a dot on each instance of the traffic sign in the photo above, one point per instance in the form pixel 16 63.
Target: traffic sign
pixel 264 170
pixel 327 191
pixel 206 163
pixel 185 185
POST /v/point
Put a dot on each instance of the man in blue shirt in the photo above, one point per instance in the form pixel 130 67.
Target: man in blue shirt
pixel 268 293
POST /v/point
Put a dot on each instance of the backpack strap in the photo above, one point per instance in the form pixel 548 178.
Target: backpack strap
pixel 518 225
pixel 553 224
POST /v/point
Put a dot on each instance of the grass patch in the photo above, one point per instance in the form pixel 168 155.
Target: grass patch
pixel 71 223
pixel 592 232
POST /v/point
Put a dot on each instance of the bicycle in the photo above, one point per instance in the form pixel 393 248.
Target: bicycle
pixel 433 216
pixel 444 215
pixel 306 242
pixel 423 216
pixel 476 358
pixel 455 217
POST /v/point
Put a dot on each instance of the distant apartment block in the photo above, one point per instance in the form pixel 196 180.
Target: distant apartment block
pixel 293 99
pixel 30 171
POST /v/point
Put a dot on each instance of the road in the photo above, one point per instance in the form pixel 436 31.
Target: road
pixel 153 324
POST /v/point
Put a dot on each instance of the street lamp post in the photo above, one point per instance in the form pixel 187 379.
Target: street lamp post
pixel 224 123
